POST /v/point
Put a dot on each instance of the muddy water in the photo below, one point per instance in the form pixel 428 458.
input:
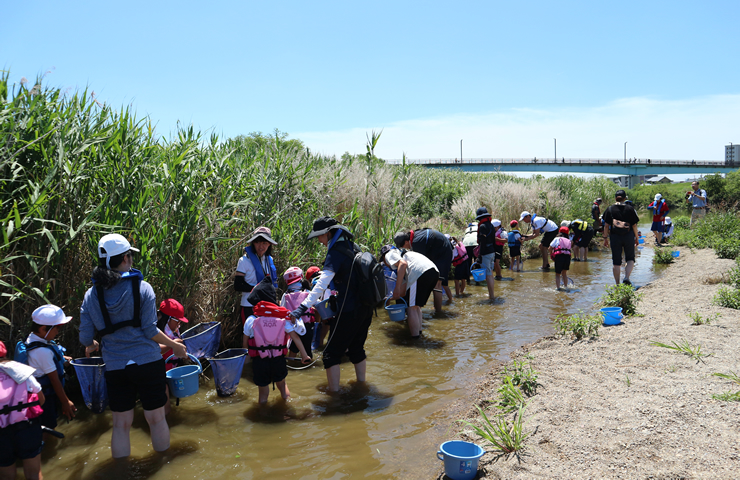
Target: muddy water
pixel 389 428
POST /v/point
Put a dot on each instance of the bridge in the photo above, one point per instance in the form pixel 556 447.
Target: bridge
pixel 634 168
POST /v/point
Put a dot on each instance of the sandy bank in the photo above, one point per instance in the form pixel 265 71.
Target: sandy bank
pixel 617 407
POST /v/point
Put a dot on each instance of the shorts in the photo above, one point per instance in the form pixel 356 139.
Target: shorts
pixel 148 381
pixel 268 370
pixel 562 262
pixel 419 291
pixel 624 242
pixel 462 271
pixel 585 239
pixel 347 337
pixel 443 264
pixel 498 250
pixel 548 237
pixel 50 408
pixel 487 262
pixel 20 441
pixel 515 252
pixel 657 227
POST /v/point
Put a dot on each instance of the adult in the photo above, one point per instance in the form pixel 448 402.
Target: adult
pixel 121 306
pixel 348 329
pixel 697 197
pixel 582 235
pixel 540 226
pixel 660 210
pixel 620 230
pixel 416 277
pixel 253 266
pixel 596 214
pixel 487 247
pixel 433 245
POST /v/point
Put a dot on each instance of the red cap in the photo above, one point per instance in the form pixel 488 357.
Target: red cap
pixel 292 275
pixel 513 222
pixel 174 309
pixel 3 350
pixel 311 272
pixel 564 230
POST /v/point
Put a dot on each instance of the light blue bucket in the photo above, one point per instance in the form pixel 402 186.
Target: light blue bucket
pixel 183 381
pixel 641 240
pixel 479 274
pixel 396 312
pixel 612 315
pixel 675 253
pixel 325 309
pixel 460 458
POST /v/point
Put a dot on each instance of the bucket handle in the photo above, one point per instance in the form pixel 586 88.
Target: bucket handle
pixel 403 299
pixel 192 357
pixel 440 455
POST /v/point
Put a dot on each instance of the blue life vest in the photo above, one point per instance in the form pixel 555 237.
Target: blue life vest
pixel 259 269
pixel 21 355
pixel 135 277
pixel 513 242
pixel 657 208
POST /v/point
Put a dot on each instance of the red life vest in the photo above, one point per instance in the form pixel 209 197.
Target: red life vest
pixel 462 255
pixel 14 400
pixel 293 300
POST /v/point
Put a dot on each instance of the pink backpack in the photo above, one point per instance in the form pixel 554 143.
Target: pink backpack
pixel 293 299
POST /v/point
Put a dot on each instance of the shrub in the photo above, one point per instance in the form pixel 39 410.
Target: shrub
pixel 727 297
pixel 727 247
pixel 663 256
pixel 621 295
pixel 578 325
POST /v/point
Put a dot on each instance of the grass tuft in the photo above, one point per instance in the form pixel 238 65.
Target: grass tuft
pixel 621 295
pixel 504 436
pixel 685 348
pixel 578 325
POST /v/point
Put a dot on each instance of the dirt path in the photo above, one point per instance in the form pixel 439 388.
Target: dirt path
pixel 617 407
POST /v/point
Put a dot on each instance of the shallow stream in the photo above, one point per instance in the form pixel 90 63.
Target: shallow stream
pixel 389 429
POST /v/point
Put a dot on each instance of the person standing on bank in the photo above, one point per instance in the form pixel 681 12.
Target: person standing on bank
pixel 698 199
pixel 541 225
pixel 253 266
pixel 620 229
pixel 487 246
pixel 348 329
pixel 121 306
pixel 596 214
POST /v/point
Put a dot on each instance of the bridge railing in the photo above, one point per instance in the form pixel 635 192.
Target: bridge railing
pixel 565 161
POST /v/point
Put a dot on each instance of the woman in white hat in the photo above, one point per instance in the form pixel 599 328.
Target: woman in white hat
pixel 122 308
pixel 253 266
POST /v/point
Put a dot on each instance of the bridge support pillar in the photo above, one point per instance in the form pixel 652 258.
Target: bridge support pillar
pixel 633 181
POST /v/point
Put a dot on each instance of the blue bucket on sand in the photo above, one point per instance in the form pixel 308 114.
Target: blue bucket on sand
pixel 675 253
pixel 641 240
pixel 396 312
pixel 203 339
pixel 227 370
pixel 183 381
pixel 612 315
pixel 461 459
pixel 91 375
pixel 479 274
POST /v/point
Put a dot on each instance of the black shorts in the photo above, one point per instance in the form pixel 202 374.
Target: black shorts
pixel 548 237
pixel 50 408
pixel 515 252
pixel 585 239
pixel 20 441
pixel 267 370
pixel 462 271
pixel 148 381
pixel 347 336
pixel 562 262
pixel 423 287
pixel 624 242
pixel 499 251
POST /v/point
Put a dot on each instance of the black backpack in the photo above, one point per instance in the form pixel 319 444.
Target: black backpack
pixel 369 278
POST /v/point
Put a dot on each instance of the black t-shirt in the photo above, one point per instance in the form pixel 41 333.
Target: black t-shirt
pixel 595 211
pixel 486 238
pixel 620 218
pixel 432 244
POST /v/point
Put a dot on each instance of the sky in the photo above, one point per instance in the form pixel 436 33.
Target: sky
pixel 509 79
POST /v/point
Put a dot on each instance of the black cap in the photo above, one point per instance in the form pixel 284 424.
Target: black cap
pixel 385 249
pixel 621 193
pixel 323 225
pixel 263 291
pixel 482 212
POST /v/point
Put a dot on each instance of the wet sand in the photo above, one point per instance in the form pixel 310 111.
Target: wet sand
pixel 617 407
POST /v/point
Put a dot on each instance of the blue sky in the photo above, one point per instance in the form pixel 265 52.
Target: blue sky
pixel 506 77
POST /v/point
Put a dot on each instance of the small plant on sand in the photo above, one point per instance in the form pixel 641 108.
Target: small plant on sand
pixel 579 325
pixel 699 320
pixel 627 380
pixel 506 437
pixel 727 297
pixel 523 376
pixel 663 256
pixel 510 397
pixel 727 396
pixel 685 348
pixel 621 295
pixel 728 376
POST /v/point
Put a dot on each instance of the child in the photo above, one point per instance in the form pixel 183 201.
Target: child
pixel 660 209
pixel 297 293
pixel 321 327
pixel 171 314
pixel 515 246
pixel 462 266
pixel 560 253
pixel 501 239
pixel 265 335
pixel 668 230
pixel 42 353
pixel 20 437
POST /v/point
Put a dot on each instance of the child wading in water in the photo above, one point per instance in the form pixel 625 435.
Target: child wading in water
pixel 266 336
pixel 298 290
pixel 560 253
pixel 515 246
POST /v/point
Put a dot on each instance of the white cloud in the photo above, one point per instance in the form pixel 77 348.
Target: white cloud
pixel 696 128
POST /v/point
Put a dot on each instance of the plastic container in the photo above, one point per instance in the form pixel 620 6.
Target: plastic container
pixel 479 274
pixel 183 381
pixel 675 253
pixel 397 312
pixel 641 240
pixel 460 459
pixel 203 339
pixel 91 374
pixel 325 309
pixel 612 315
pixel 227 370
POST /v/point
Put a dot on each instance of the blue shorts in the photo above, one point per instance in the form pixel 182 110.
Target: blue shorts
pixel 487 262
pixel 20 441
pixel 657 227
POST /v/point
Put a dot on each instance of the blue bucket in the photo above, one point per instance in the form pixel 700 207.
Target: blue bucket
pixel 675 253
pixel 461 459
pixel 325 309
pixel 479 274
pixel 396 312
pixel 227 370
pixel 203 339
pixel 612 315
pixel 183 381
pixel 641 240
pixel 91 374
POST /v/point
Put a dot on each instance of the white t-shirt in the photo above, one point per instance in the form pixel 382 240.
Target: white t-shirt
pixel 299 327
pixel 42 359
pixel 539 222
pixel 250 276
pixel 417 264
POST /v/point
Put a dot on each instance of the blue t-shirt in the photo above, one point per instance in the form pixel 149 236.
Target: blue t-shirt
pixel 339 260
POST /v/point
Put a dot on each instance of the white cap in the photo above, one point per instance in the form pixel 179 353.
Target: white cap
pixel 524 214
pixel 496 222
pixel 658 196
pixel 49 315
pixel 668 220
pixel 113 244
pixel 565 223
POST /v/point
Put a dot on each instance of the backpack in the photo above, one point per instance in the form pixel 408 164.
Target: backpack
pixel 371 284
